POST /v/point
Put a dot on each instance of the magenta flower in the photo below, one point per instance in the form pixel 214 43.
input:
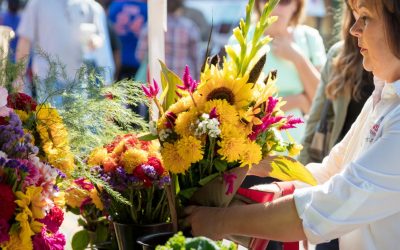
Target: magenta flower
pixel 171 117
pixel 230 180
pixel 152 90
pixel 46 241
pixel 53 219
pixel 267 121
pixel 213 113
pixel 83 183
pixel 189 84
pixel 271 104
pixel 291 122
pixel 4 228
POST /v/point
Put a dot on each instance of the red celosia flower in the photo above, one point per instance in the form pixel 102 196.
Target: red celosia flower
pixel 7 204
pixel 21 101
pixel 152 90
pixel 109 164
pixel 110 147
pixel 53 219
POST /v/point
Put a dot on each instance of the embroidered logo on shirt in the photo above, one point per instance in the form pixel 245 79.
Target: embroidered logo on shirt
pixel 374 130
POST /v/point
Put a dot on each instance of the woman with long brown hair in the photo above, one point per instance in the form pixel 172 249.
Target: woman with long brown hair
pixel 358 193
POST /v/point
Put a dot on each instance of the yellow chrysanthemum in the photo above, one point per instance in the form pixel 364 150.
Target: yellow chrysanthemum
pixel 230 148
pixel 181 105
pixel 59 199
pixel 190 148
pixel 154 148
pixel 97 156
pixel 251 154
pixel 15 243
pixel 173 161
pixel 96 199
pixel 118 149
pixel 224 85
pixel 228 130
pixel 132 158
pixel 226 112
pixel 32 199
pixel 54 137
pixel 75 196
pixel 23 116
pixel 184 121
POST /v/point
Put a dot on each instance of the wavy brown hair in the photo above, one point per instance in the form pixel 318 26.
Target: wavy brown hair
pixel 349 75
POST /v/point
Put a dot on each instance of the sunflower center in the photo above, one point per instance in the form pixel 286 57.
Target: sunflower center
pixel 222 93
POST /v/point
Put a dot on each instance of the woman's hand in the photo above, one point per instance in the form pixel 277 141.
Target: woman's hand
pixel 263 168
pixel 205 221
pixel 284 47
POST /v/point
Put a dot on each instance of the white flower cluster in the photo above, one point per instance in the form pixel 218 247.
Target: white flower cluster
pixel 164 133
pixel 205 125
pixel 153 127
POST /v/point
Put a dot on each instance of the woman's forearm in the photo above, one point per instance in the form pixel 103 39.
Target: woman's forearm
pixel 297 101
pixel 309 76
pixel 276 221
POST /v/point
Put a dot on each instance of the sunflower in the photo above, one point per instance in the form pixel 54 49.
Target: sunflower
pixel 190 148
pixel 224 85
pixel 172 160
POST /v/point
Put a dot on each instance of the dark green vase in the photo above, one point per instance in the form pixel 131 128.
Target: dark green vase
pixel 150 241
pixel 127 234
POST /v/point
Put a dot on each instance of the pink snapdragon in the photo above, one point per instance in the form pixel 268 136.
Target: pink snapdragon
pixel 189 84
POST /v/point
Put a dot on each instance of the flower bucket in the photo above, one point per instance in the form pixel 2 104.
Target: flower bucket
pixel 127 234
pixel 151 241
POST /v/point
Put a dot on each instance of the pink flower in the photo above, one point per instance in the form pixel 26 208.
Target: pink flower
pixel 4 228
pixel 271 104
pixel 291 122
pixel 230 180
pixel 189 84
pixel 267 121
pixel 152 90
pixel 213 113
pixel 83 183
pixel 48 241
pixel 53 219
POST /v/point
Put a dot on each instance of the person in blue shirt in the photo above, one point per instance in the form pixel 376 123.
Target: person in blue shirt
pixel 128 18
pixel 11 19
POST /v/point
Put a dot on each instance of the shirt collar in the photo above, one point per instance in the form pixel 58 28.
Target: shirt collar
pixel 391 90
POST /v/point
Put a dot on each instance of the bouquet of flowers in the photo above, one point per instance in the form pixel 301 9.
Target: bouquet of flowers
pixel 45 124
pixel 212 130
pixel 82 198
pixel 30 199
pixel 131 178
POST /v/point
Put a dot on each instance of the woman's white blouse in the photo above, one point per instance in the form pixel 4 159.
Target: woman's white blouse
pixel 359 196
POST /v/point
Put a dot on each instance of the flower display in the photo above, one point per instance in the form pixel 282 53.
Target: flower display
pixel 133 169
pixel 44 122
pixel 30 215
pixel 230 118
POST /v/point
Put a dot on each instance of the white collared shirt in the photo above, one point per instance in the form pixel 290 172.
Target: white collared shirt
pixel 359 196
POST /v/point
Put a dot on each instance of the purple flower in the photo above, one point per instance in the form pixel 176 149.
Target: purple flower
pixel 150 171
pixel 189 84
pixel 165 180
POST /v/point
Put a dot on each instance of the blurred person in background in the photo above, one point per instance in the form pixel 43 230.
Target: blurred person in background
pixel 182 41
pixel 11 18
pixel 317 10
pixel 199 19
pixel 128 18
pixel 298 54
pixel 71 32
pixel 348 86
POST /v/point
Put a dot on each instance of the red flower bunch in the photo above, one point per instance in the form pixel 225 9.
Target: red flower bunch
pixel 21 101
pixel 7 204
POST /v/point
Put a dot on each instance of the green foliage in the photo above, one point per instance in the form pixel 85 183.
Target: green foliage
pixel 169 81
pixel 179 242
pixel 251 50
pixel 80 240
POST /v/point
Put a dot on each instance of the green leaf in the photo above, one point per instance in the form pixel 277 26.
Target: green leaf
pixel 169 81
pixel 220 165
pixel 188 193
pixel 80 240
pixel 207 179
pixel 148 137
pixel 287 169
pixel 202 243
